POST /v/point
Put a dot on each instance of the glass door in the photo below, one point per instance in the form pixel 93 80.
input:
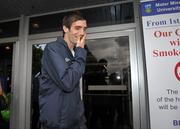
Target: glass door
pixel 6 62
pixel 108 85
pixel 36 49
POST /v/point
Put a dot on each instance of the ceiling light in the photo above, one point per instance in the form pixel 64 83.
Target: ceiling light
pixel 7 48
pixel 35 25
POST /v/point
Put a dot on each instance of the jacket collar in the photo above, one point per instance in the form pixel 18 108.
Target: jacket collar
pixel 63 42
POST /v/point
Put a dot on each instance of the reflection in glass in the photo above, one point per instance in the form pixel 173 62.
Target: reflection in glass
pixel 6 51
pixel 9 29
pixel 36 68
pixel 107 85
pixel 98 16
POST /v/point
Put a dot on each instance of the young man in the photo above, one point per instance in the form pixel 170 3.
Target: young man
pixel 63 64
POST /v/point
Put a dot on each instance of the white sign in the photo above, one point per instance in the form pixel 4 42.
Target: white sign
pixel 161 28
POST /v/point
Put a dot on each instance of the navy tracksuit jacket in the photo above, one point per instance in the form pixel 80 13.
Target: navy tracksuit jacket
pixel 59 94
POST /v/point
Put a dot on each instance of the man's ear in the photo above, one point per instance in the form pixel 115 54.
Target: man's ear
pixel 65 29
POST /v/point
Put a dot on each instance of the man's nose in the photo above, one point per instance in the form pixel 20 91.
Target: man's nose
pixel 82 32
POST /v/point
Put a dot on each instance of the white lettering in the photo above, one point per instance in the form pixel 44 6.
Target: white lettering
pixel 162 4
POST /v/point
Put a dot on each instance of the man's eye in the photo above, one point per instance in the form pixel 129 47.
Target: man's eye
pixel 77 27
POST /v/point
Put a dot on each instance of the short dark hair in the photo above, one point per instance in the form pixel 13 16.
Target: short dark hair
pixel 70 18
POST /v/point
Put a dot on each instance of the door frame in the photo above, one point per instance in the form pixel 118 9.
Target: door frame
pixel 94 35
pixel 133 65
pixel 14 80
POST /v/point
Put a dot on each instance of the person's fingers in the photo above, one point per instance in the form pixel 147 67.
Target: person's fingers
pixel 83 37
pixel 81 40
pixel 78 39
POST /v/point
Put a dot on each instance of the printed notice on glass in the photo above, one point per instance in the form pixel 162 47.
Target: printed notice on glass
pixel 161 29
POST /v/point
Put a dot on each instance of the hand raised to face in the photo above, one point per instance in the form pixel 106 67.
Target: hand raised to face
pixel 81 41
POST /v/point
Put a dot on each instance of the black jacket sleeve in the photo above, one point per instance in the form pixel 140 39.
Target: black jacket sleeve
pixel 64 75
